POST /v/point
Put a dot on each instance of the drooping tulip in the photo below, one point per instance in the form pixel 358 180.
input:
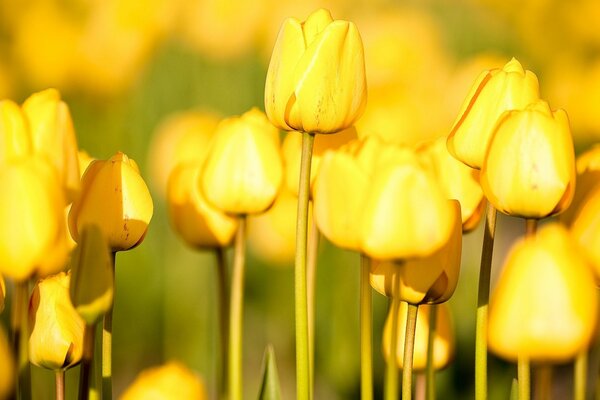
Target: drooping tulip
pixel 115 197
pixel 316 78
pixel 494 91
pixel 56 338
pixel 529 168
pixel 544 307
pixel 15 140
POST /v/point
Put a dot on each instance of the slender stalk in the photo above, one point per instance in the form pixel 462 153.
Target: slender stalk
pixel 409 347
pixel 530 227
pixel 524 378
pixel 366 331
pixel 580 378
pixel 236 313
pixel 60 384
pixel 430 368
pixel 483 299
pixel 86 362
pixel 543 384
pixel 303 373
pixel 223 294
pixel 107 323
pixel 391 366
pixel 311 277
pixel 19 324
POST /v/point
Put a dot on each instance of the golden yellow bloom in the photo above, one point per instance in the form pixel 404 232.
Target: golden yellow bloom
pixel 529 168
pixel 243 170
pixel 14 133
pixel 544 307
pixel 56 338
pixel 588 179
pixel 172 381
pixel 114 197
pixel 443 342
pixel 430 279
pixel 316 77
pixel 457 180
pixel 495 91
pixel 7 366
pixel 586 228
pixel 197 222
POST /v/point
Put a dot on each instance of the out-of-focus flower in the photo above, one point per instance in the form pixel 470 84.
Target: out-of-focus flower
pixel 588 179
pixel 423 280
pixel 7 366
pixel 115 197
pixel 183 137
pixel 443 342
pixel 56 338
pixel 457 180
pixel 14 133
pixel 494 91
pixel 546 290
pixel 586 228
pixel 2 293
pixel 529 168
pixel 172 381
pixel 199 223
pixel 243 169
pixel 292 153
pixel 316 78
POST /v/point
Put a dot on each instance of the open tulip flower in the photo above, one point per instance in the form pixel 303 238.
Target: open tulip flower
pixel 495 91
pixel 529 168
pixel 316 78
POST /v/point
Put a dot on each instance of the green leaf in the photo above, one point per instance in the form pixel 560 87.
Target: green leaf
pixel 270 389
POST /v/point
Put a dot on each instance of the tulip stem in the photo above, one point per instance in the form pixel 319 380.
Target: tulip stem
pixel 543 385
pixel 236 313
pixel 60 384
pixel 430 368
pixel 311 276
pixel 483 299
pixel 530 227
pixel 303 373
pixel 107 345
pixel 223 319
pixel 524 378
pixel 391 367
pixel 409 347
pixel 366 328
pixel 19 322
pixel 86 361
pixel 580 378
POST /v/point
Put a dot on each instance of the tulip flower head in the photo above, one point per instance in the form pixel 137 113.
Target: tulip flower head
pixel 588 180
pixel 316 78
pixel 586 229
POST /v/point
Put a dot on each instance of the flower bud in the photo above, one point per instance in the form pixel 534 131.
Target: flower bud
pixel 114 197
pixel 56 338
pixel 7 366
pixel 529 168
pixel 316 78
pixel 15 140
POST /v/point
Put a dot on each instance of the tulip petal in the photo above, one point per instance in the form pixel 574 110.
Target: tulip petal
pixel 14 138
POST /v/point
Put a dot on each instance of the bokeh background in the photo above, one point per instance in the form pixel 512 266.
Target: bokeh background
pixel 125 66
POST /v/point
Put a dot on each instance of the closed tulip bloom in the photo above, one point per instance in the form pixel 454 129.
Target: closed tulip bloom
pixel 422 280
pixel 7 366
pixel 586 229
pixel 443 342
pixel 56 338
pixel 529 169
pixel 494 91
pixel 197 222
pixel 544 307
pixel 15 140
pixel 115 197
pixel 243 170
pixel 316 78
pixel 172 381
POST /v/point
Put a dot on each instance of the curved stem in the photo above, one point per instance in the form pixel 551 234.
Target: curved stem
pixel 524 378
pixel 366 329
pixel 391 366
pixel 430 368
pixel 580 378
pixel 107 323
pixel 409 347
pixel 311 277
pixel 60 384
pixel 236 313
pixel 303 373
pixel 483 299
pixel 223 319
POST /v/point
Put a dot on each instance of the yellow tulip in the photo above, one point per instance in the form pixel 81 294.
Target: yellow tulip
pixel 588 179
pixel 586 229
pixel 529 168
pixel 422 280
pixel 197 222
pixel 32 225
pixel 443 342
pixel 544 307
pixel 243 170
pixel 7 366
pixel 114 197
pixel 457 181
pixel 56 338
pixel 316 78
pixel 170 381
pixel 494 91
pixel 15 140
pixel 53 135
pixel 84 160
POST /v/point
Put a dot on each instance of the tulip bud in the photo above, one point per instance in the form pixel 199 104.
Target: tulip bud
pixel 316 78
pixel 7 366
pixel 172 381
pixel 586 229
pixel 243 170
pixel 14 134
pixel 529 168
pixel 495 91
pixel 588 179
pixel 443 342
pixel 423 280
pixel 56 338
pixel 544 307
pixel 114 197
pixel 197 222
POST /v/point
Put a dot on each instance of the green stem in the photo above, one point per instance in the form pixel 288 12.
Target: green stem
pixel 20 322
pixel 86 362
pixel 430 368
pixel 107 323
pixel 483 299
pixel 60 384
pixel 391 366
pixel 236 313
pixel 543 385
pixel 524 378
pixel 303 373
pixel 311 277
pixel 223 295
pixel 366 329
pixel 580 378
pixel 409 347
